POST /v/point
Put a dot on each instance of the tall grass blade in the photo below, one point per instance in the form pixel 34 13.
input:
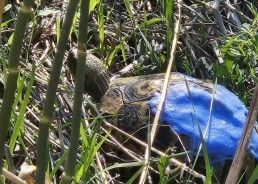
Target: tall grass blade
pixel 254 176
pixel 58 164
pixel 168 6
pixel 101 27
pixel 134 176
pixel 19 122
pixel 153 54
pixel 206 159
pixel 93 4
pixel 90 147
pixel 130 13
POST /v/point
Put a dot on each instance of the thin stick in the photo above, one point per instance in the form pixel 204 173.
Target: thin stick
pixel 12 177
pixel 162 98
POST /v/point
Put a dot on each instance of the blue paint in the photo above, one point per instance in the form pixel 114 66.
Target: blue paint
pixel 184 111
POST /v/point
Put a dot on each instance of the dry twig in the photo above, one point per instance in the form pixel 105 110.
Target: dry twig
pixel 163 96
pixel 242 146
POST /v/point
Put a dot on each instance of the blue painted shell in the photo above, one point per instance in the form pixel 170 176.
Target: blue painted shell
pixel 188 105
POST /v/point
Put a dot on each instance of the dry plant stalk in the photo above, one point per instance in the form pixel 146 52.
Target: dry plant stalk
pixel 163 96
pixel 242 146
pixel 12 177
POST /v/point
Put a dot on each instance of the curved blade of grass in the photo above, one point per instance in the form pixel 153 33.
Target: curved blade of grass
pixel 112 54
pixel 130 13
pixel 92 149
pixel 12 75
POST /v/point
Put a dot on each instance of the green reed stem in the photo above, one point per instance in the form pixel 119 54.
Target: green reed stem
pixel 47 114
pixel 12 74
pixel 78 95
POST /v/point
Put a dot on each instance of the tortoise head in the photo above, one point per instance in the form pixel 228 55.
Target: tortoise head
pixel 96 75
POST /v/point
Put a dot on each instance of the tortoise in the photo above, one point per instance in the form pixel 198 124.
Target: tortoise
pixel 133 100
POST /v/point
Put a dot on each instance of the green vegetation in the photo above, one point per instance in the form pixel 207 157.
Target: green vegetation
pixel 240 54
pixel 42 121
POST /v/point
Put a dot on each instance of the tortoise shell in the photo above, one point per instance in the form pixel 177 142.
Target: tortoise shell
pixel 129 90
pixel 126 104
pixel 190 104
pixel 127 99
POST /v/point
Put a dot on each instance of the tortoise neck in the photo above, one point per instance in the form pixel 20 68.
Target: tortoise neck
pixel 96 85
pixel 97 78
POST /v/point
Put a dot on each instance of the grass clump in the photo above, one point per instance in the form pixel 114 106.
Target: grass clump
pixel 239 70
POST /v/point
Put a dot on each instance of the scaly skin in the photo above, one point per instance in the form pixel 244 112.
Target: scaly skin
pixel 96 75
